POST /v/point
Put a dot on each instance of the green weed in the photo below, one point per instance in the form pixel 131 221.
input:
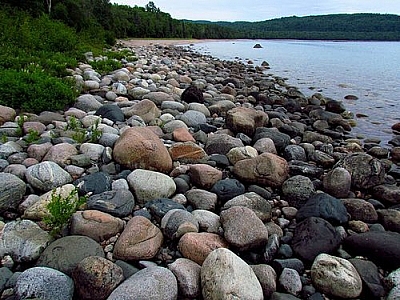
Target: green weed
pixel 61 209
pixel 32 136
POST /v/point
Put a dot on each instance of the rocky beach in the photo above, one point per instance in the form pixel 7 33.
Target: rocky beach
pixel 201 179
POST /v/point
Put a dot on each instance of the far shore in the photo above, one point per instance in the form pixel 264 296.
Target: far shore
pixel 163 42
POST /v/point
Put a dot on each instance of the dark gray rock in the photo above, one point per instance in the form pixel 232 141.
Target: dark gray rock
pixel 182 186
pixel 271 248
pixel 127 269
pixel 5 275
pixel 281 140
pixel 221 160
pixel 260 191
pixel 285 251
pixel 205 127
pixel 380 247
pixel 283 296
pixel 314 236
pixel 291 263
pixel 324 206
pixel 192 94
pixel 118 203
pixel 221 144
pixel 395 141
pixel 335 106
pixel 12 189
pixel 370 276
pixel 112 112
pixel 159 207
pixel 297 167
pixel 65 253
pixel 227 189
pixel 95 183
pixel 297 190
pixel 177 222
pixel 294 152
pixel 366 171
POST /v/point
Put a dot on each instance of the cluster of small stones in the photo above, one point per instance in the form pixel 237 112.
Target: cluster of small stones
pixel 211 180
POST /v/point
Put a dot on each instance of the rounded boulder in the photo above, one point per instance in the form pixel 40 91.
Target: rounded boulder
pixel 141 148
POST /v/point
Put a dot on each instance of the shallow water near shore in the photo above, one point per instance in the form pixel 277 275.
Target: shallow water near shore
pixel 368 70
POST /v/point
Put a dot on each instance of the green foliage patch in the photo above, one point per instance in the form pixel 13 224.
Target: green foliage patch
pixel 35 90
pixel 61 209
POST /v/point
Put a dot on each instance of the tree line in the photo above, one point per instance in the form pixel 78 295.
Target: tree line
pixel 361 26
pixel 118 21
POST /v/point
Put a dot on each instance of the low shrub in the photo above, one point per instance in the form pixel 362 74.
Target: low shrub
pixel 35 90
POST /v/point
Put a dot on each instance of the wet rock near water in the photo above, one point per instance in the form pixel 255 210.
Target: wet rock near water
pixel 210 179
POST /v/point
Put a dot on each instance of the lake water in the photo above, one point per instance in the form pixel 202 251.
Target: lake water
pixel 368 70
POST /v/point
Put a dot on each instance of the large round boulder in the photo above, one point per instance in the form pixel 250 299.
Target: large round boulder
pixel 266 169
pixel 141 148
pixel 365 170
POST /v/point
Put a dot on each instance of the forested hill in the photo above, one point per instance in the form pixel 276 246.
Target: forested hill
pixel 336 26
pixel 108 21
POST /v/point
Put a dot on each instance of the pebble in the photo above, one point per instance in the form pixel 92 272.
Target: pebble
pixel 197 156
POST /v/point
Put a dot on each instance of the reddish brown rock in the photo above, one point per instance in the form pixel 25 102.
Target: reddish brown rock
pixel 95 224
pixel 361 210
pixel 140 239
pixel 204 176
pixel 145 109
pixel 187 152
pixel 38 151
pixel 33 127
pixel 61 154
pixel 396 126
pixel 140 148
pixel 196 246
pixel 245 120
pixel 96 277
pixel 7 114
pixel 395 153
pixel 182 135
pixel 266 169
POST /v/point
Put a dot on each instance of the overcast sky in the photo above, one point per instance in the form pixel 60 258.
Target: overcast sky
pixel 259 10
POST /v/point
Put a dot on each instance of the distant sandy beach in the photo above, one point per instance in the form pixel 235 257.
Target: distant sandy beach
pixel 163 42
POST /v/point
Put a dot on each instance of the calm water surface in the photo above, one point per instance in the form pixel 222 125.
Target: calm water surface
pixel 368 70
